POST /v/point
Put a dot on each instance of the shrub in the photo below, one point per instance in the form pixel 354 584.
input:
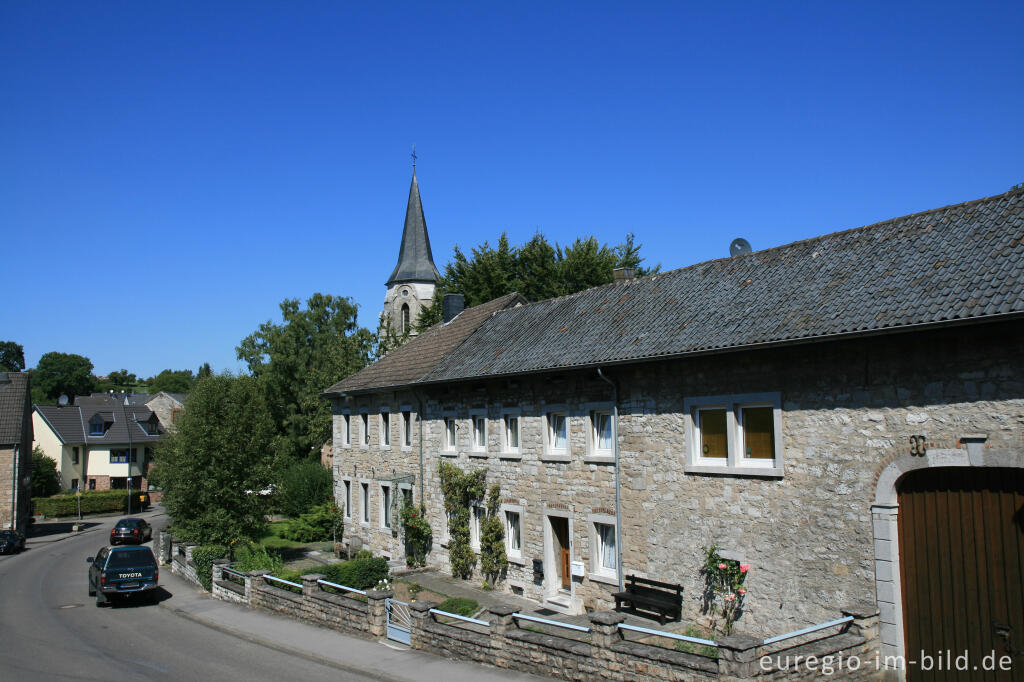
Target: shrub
pixel 459 605
pixel 203 557
pixel 302 486
pixel 362 574
pixel 253 557
pixel 93 502
pixel 417 534
pixel 45 479
pixel 460 491
pixel 493 561
pixel 320 523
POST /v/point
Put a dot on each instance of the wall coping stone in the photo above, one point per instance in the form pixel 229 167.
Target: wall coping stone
pixel 422 606
pixel 670 656
pixel 607 617
pixel 550 642
pixel 313 577
pixel 502 609
pixel 738 642
pixel 379 594
pixel 860 610
pixel 258 573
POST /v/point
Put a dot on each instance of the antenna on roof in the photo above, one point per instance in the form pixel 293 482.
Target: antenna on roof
pixel 63 400
pixel 739 246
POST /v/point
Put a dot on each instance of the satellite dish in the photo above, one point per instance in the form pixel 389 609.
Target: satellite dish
pixel 739 246
pixel 62 400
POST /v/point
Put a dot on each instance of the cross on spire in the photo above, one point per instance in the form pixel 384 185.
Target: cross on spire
pixel 414 156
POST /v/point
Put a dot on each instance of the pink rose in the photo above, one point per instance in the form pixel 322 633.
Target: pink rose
pixel 721 567
pixel 731 597
pixel 741 591
pixel 744 568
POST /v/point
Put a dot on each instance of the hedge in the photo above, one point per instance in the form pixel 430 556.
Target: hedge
pixel 203 557
pixel 362 574
pixel 93 502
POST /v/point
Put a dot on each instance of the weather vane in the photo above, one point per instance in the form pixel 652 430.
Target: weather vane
pixel 414 155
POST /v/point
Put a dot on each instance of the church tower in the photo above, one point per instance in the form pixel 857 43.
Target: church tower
pixel 411 285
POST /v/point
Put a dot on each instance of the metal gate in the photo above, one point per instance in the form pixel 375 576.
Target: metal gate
pixel 399 620
pixel 961 535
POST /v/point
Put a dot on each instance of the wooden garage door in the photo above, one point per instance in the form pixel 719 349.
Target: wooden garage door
pixel 961 535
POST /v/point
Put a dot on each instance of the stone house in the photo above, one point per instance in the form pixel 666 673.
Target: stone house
pixel 100 442
pixel 15 450
pixel 168 407
pixel 844 413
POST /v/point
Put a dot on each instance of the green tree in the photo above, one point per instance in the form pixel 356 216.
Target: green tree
pixel 63 373
pixel 302 486
pixel 204 371
pixel 121 379
pixel 171 381
pixel 214 464
pixel 12 357
pixel 295 361
pixel 45 479
pixel 537 270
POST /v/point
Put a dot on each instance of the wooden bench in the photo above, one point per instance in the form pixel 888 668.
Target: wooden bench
pixel 642 594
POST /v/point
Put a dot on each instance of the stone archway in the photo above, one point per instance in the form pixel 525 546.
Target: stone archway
pixel 885 521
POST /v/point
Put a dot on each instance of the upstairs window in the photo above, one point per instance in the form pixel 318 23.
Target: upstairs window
pixel 407 428
pixel 385 428
pixel 738 433
pixel 346 427
pixel 366 428
pixel 557 435
pixel 74 455
pixel 479 432
pixel 96 426
pixel 601 432
pixel 449 434
pixel 511 422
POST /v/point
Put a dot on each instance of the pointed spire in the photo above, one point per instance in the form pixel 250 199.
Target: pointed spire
pixel 415 261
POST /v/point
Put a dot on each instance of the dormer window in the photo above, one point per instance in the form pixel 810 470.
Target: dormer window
pixel 152 427
pixel 96 426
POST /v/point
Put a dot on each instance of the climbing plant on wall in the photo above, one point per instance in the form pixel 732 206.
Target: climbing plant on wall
pixel 493 560
pixel 460 489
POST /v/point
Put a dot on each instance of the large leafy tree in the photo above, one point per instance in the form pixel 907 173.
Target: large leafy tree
pixel 536 269
pixel 65 373
pixel 45 479
pixel 214 465
pixel 12 357
pixel 295 361
pixel 172 381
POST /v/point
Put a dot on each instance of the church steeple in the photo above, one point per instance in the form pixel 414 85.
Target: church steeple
pixel 412 282
pixel 415 261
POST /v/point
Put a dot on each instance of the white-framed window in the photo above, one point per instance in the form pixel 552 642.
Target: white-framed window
pixel 365 418
pixel 556 431
pixel 477 514
pixel 347 497
pixel 449 434
pixel 385 427
pixel 406 427
pixel 513 531
pixel 511 434
pixel 365 501
pixel 600 431
pixel 385 505
pixel 346 430
pixel 739 433
pixel 478 420
pixel 605 559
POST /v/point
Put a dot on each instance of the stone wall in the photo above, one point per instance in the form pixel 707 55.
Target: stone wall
pixel 848 408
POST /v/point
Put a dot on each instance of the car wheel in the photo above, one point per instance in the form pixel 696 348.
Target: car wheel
pixel 92 592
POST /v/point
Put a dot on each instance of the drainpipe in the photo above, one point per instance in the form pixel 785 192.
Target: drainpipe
pixel 618 504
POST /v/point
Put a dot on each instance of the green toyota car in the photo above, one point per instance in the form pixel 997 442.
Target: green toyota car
pixel 123 572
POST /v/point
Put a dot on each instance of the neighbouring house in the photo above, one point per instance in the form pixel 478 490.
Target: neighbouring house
pixel 100 442
pixel 168 408
pixel 15 450
pixel 845 414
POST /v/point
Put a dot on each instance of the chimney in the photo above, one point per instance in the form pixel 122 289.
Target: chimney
pixel 453 305
pixel 623 273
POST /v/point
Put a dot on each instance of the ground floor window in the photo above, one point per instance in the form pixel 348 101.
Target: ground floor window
pixel 385 502
pixel 366 502
pixel 118 483
pixel 605 559
pixel 74 484
pixel 92 484
pixel 513 533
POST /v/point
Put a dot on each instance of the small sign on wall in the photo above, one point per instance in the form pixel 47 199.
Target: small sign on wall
pixel 577 569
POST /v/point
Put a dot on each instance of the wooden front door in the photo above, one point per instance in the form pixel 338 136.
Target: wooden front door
pixel 961 541
pixel 560 531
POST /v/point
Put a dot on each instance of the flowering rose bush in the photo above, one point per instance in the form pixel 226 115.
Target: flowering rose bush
pixel 724 590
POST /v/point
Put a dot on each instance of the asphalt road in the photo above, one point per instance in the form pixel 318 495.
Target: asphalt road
pixel 50 629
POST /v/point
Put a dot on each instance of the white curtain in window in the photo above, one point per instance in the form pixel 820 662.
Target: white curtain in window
pixel 512 531
pixel 603 426
pixel 606 535
pixel 558 431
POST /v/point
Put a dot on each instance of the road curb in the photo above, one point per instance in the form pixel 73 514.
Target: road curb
pixel 309 656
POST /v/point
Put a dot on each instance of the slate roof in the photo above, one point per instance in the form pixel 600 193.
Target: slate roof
pixel 415 261
pixel 14 392
pixel 410 361
pixel 112 399
pixel 71 423
pixel 961 262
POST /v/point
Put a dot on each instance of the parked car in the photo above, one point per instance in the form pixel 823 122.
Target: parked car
pixel 122 572
pixel 131 531
pixel 11 541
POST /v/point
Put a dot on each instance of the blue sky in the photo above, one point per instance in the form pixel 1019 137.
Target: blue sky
pixel 171 171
